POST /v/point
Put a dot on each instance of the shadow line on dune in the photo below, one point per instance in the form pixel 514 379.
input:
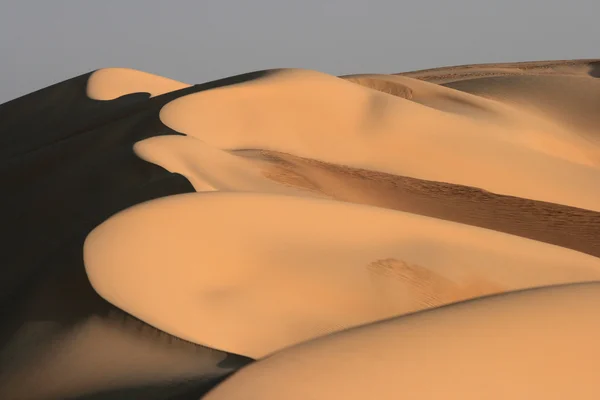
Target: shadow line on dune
pixel 556 224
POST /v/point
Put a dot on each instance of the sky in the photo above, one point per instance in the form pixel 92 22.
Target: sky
pixel 43 42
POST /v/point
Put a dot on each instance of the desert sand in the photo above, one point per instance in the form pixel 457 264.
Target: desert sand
pixel 301 267
pixel 535 344
pixel 319 235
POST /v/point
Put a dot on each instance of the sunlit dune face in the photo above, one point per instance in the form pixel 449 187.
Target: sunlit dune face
pixel 252 273
pixel 347 232
pixel 451 137
pixel 112 83
pixel 269 254
pixel 535 344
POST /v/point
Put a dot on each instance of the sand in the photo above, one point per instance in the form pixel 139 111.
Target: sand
pixel 163 235
pixel 536 344
pixel 285 269
pixel 351 125
pixel 112 83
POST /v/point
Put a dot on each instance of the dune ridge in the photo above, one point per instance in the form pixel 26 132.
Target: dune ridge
pixel 271 215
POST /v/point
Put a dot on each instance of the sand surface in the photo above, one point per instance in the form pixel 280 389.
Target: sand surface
pixel 536 344
pixel 112 83
pixel 285 269
pixel 259 216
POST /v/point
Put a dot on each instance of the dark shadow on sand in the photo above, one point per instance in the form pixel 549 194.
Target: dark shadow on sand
pixel 595 69
pixel 183 390
pixel 66 165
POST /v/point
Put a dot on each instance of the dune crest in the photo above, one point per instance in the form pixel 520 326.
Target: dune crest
pixel 111 83
pixel 355 126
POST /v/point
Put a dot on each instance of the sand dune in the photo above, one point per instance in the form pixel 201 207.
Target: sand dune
pixel 556 224
pixel 536 344
pixel 349 125
pixel 329 265
pixel 111 83
pixel 101 356
pixel 161 235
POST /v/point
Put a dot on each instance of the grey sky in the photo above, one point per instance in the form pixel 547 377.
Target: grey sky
pixel 45 41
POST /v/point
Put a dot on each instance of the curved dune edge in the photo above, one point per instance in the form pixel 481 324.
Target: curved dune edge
pixel 573 228
pixel 207 168
pixel 112 83
pixel 538 344
pixel 352 125
pixel 252 273
pixel 211 169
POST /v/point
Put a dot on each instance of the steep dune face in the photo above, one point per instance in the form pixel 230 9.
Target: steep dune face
pixel 556 224
pixel 537 344
pixel 253 213
pixel 110 355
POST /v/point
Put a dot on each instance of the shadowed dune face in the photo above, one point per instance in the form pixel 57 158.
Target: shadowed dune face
pixel 256 212
pixel 68 163
pixel 595 69
pixel 556 224
pixel 114 354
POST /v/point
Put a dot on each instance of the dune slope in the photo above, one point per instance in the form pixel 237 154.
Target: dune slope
pixel 285 269
pixel 535 344
pixel 157 233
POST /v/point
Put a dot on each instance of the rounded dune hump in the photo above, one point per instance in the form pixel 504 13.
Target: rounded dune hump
pixel 289 234
pixel 534 344
pixel 252 273
pixel 569 101
pixel 436 96
pixel 355 126
pixel 112 83
pixel 208 168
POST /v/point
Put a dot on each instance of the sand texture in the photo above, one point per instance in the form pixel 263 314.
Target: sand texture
pixel 534 344
pixel 289 234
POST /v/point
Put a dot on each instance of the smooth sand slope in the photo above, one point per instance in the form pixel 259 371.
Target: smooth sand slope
pixel 351 125
pixel 284 269
pixel 156 232
pixel 535 344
